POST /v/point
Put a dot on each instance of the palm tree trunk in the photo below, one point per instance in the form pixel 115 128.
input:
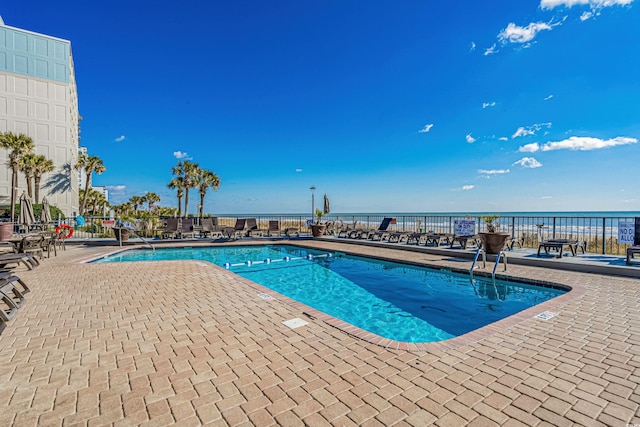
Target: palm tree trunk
pixel 179 207
pixel 29 187
pixel 201 204
pixel 87 186
pixel 186 202
pixel 36 187
pixel 14 187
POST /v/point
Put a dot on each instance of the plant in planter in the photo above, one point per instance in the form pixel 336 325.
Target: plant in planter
pixel 318 228
pixel 493 241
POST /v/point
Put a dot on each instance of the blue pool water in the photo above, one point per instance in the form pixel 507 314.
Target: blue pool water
pixel 397 301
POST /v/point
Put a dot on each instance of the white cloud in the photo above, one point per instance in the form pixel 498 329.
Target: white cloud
pixel 528 162
pixel 546 197
pixel 548 97
pixel 522 131
pixel 586 15
pixel 472 47
pixel 493 171
pixel 597 4
pixel 180 154
pixel 467 187
pixel 585 143
pixel 488 104
pixel 490 50
pixel 426 128
pixel 119 139
pixel 530 130
pixel 529 148
pixel 116 188
pixel 503 138
pixel 470 139
pixel 516 34
pixel 298 170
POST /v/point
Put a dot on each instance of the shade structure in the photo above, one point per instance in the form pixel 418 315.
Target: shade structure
pixel 327 207
pixel 26 216
pixel 45 216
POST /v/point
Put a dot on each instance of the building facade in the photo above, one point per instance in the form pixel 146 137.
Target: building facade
pixel 38 97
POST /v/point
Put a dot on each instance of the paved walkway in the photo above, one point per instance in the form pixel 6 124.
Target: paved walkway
pixel 189 343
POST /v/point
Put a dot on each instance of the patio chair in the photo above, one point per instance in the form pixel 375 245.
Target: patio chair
pixel 252 227
pixel 10 277
pixel 382 229
pixel 346 231
pixel 274 228
pixel 186 228
pixel 560 245
pixel 48 242
pixel 170 228
pixel 32 244
pixel 237 230
pixel 8 307
pixel 27 259
pixel 631 251
pixel 210 227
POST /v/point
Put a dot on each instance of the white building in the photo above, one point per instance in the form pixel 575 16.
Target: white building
pixel 38 97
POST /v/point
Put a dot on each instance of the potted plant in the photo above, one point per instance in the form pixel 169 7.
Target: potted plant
pixel 493 241
pixel 318 229
pixel 121 232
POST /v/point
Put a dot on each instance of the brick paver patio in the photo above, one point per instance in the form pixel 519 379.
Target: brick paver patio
pixel 189 343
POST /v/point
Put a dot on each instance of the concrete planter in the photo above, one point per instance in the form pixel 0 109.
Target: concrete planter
pixel 493 243
pixel 318 230
pixel 6 230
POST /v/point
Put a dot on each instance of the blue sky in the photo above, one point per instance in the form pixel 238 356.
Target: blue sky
pixel 411 106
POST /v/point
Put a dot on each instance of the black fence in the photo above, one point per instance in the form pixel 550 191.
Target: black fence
pixel 600 233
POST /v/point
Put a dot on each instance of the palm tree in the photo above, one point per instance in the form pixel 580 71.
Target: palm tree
pixel 89 164
pixel 152 199
pixel 42 166
pixel 19 145
pixel 177 184
pixel 188 171
pixel 205 180
pixel 95 200
pixel 27 165
pixel 136 201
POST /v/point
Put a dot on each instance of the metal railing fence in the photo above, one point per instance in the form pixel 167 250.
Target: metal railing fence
pixel 600 233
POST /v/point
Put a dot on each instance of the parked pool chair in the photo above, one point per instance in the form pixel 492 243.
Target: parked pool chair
pixel 170 228
pixel 382 228
pixel 274 228
pixel 236 231
pixel 210 228
pixel 32 244
pixel 345 231
pixel 252 227
pixel 631 251
pixel 186 228
pixel 560 245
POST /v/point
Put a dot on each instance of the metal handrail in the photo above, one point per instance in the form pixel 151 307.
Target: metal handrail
pixel 133 231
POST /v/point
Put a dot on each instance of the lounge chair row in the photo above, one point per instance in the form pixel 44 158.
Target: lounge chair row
pixel 12 288
pixel 184 227
pixel 249 227
pixel 417 238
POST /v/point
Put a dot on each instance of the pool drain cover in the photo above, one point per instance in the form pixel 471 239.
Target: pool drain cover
pixel 546 315
pixel 266 296
pixel 294 323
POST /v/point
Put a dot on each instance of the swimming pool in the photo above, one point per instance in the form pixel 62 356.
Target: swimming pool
pixel 397 301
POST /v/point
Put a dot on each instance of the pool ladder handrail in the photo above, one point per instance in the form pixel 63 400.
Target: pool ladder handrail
pixel 501 255
pixel 139 237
